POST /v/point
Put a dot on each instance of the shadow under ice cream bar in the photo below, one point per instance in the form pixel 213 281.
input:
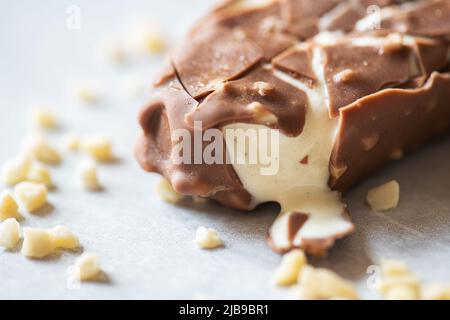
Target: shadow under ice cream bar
pixel 345 103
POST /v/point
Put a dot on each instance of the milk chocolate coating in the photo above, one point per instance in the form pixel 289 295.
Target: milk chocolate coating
pixel 399 120
pixel 389 99
pixel 366 70
pixel 231 103
pixel 302 16
pixel 212 57
pixel 430 18
pixel 164 113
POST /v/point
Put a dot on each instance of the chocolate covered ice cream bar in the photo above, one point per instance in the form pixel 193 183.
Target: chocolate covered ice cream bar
pixel 295 101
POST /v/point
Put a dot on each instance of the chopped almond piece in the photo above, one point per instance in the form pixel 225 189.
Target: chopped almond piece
pixel 384 197
pixel 9 234
pixel 207 238
pixel 8 207
pixel 320 284
pixel 289 268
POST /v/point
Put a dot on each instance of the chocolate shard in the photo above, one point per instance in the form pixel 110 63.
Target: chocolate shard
pixel 260 98
pixel 433 55
pixel 355 71
pixel 423 18
pixel 263 25
pixel 285 234
pixel 295 223
pixel 302 16
pixel 210 58
pixel 344 16
pixel 403 119
pixel 298 62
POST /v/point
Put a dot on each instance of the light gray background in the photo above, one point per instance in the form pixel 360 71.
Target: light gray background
pixel 146 245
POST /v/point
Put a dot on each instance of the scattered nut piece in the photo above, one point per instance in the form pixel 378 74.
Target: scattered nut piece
pixel 397 282
pixel 401 293
pixel 288 271
pixel 99 148
pixel 71 142
pixel 40 149
pixel 84 93
pixel 384 197
pixel 86 174
pixel 8 207
pixel 16 170
pixel 9 233
pixel 32 195
pixel 435 292
pixel 44 118
pixel 37 243
pixel 389 282
pixel 63 238
pixel 394 267
pixel 145 38
pixel 320 284
pixel 111 51
pixel 167 193
pixel 207 238
pixel 40 174
pixel 87 267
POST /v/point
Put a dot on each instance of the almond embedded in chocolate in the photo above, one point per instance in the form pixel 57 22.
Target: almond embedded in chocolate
pixel 370 141
pixel 263 88
pixel 345 75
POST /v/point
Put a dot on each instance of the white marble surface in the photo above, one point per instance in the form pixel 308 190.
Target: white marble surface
pixel 146 245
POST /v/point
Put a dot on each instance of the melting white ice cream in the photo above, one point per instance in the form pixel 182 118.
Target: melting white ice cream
pixel 301 183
